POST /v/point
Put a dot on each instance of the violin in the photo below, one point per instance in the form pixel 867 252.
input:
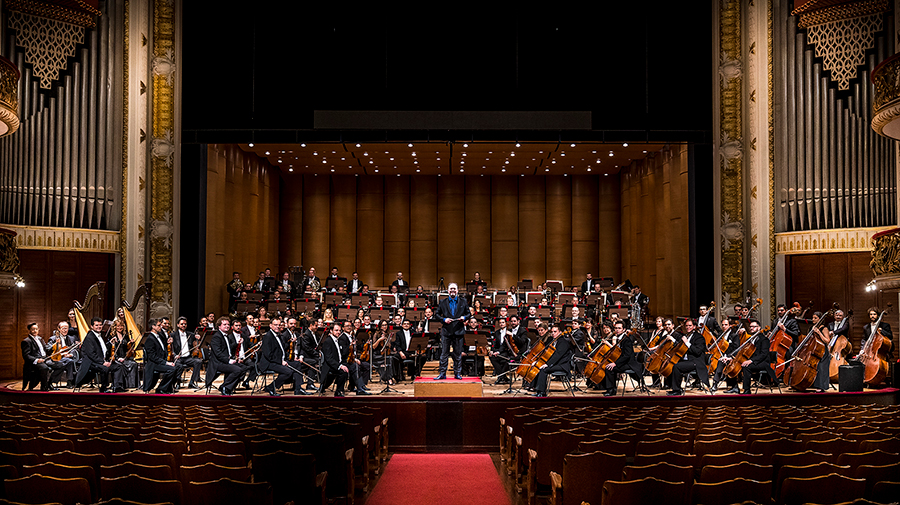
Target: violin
pixel 367 348
pixel 874 355
pixel 801 371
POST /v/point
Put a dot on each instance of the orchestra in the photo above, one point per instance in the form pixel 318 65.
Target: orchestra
pixel 296 329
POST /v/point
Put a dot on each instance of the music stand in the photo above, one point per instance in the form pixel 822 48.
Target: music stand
pixel 332 300
pixel 566 298
pixel 440 297
pixel 544 312
pixel 415 315
pixel 525 285
pixel 389 299
pixel 533 297
pixel 304 305
pixel 360 300
pixel 379 314
pixel 345 313
pixel 421 301
pixel 554 286
pixel 275 307
pixel 484 301
pixel 621 312
pixel 255 297
pixel 245 307
pixel 471 287
pixel 595 299
pixel 435 327
pixel 331 283
pixel 619 298
pixel 418 344
pixel 388 361
pixel 567 310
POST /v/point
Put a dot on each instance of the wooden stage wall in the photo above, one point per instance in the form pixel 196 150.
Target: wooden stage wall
pixel 506 227
pixel 53 279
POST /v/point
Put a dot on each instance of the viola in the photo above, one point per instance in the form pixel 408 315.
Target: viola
pixel 800 373
pixel 874 355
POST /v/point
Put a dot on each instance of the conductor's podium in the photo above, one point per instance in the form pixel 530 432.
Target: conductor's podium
pixel 466 387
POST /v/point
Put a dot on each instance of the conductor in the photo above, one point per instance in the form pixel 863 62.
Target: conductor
pixel 453 311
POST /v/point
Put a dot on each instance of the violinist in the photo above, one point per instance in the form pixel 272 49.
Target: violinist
pixel 502 343
pixel 694 359
pixel 121 341
pixel 38 367
pixel 627 361
pixel 185 344
pixel 223 347
pixel 274 357
pixel 68 359
pixel 729 340
pixel 560 361
pixel 578 338
pixel 402 354
pixel 382 342
pixel 156 360
pixel 243 346
pixel 472 326
pixel 519 334
pixel 759 361
pixel 355 379
pixel 790 326
pixel 308 352
pixel 365 366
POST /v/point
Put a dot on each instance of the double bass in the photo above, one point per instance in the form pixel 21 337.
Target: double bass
pixel 874 355
pixel 839 347
pixel 800 373
pixel 780 342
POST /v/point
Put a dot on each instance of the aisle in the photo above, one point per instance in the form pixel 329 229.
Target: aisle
pixel 448 479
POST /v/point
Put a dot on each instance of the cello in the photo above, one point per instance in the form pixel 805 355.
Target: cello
pixel 839 347
pixel 801 371
pixel 538 356
pixel 780 342
pixel 741 354
pixel 667 354
pixel 713 347
pixel 874 355
pixel 604 353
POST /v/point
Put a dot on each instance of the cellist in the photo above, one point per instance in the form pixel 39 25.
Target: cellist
pixel 694 359
pixel 627 362
pixel 790 327
pixel 759 360
pixel 869 328
pixel 731 339
pixel 559 362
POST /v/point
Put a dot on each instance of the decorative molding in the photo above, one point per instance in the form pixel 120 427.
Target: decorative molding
pixel 65 239
pixel 9 97
pixel 886 100
pixel 48 44
pixel 816 13
pixel 826 241
pixel 75 12
pixel 886 252
pixel 842 45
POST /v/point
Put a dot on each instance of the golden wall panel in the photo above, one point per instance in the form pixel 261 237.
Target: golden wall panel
pixel 504 270
pixel 343 225
pixel 290 248
pixel 532 226
pixel 423 230
pixel 478 226
pixel 240 222
pixel 609 224
pixel 370 230
pixel 396 228
pixel 451 229
pixel 559 228
pixel 317 224
pixel 585 226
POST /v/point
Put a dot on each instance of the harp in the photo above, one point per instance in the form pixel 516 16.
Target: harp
pixel 94 291
pixel 131 326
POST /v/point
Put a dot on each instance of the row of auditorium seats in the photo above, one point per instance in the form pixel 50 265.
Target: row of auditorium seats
pixel 173 454
pixel 571 453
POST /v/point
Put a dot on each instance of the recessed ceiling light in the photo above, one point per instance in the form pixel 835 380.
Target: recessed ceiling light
pixel 376 170
pixel 465 145
pixel 610 153
pixel 438 159
pixel 302 145
pixel 562 154
pixel 417 170
pixel 464 154
pixel 573 145
pixel 409 145
pixel 357 145
pixel 503 170
pixel 506 162
pixel 589 169
pixel 554 162
pixel 392 159
pixel 315 153
pixel 595 152
pixel 625 144
pixel 518 144
pixel 371 161
pixel 267 153
pixel 250 144
pixel 343 159
pixel 332 170
pixel 290 170
pixel 324 161
pixel 512 154
pixel 414 153
pixel 645 152
pixel 461 170
pixel 546 170
pixel 279 161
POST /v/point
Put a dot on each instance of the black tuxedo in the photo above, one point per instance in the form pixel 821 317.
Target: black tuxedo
pixel 354 285
pixel 759 361
pixel 306 282
pixel 559 362
pixel 452 334
pixel 729 342
pixel 223 349
pixel 309 351
pixel 499 344
pixel 627 362
pixel 155 354
pixel 867 332
pixel 93 357
pixel 187 361
pixel 272 356
pixel 694 360
pixel 401 344
pixel 333 356
pixel 587 286
pixel 44 372
pixel 287 289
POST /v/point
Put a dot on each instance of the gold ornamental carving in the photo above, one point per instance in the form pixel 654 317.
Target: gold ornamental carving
pixel 886 100
pixel 9 97
pixel 886 252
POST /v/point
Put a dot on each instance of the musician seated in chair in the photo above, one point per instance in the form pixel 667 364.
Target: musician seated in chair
pixel 156 352
pixel 186 347
pixel 96 358
pixel 121 341
pixel 274 357
pixel 627 362
pixel 693 360
pixel 729 341
pixel 38 366
pixel 560 361
pixel 502 343
pixel 70 358
pixel 760 360
pixel 869 328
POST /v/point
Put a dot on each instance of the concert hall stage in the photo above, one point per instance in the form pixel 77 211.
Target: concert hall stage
pixel 452 424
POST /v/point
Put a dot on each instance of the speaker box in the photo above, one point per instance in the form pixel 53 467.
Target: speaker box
pixel 850 377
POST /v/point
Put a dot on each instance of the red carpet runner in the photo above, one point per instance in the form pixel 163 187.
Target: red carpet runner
pixel 447 479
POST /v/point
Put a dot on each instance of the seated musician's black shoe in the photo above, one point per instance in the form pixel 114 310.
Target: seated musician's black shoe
pixel 245 385
pixel 745 392
pixel 338 394
pixel 714 386
pixel 300 392
pixel 610 392
pixel 735 390
pixel 272 391
pixel 70 384
pixel 363 387
pixel 458 377
pixel 104 390
pixel 440 377
pixel 541 394
pixel 310 387
pixel 192 386
pixel 362 392
pixel 674 393
pixel 119 390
